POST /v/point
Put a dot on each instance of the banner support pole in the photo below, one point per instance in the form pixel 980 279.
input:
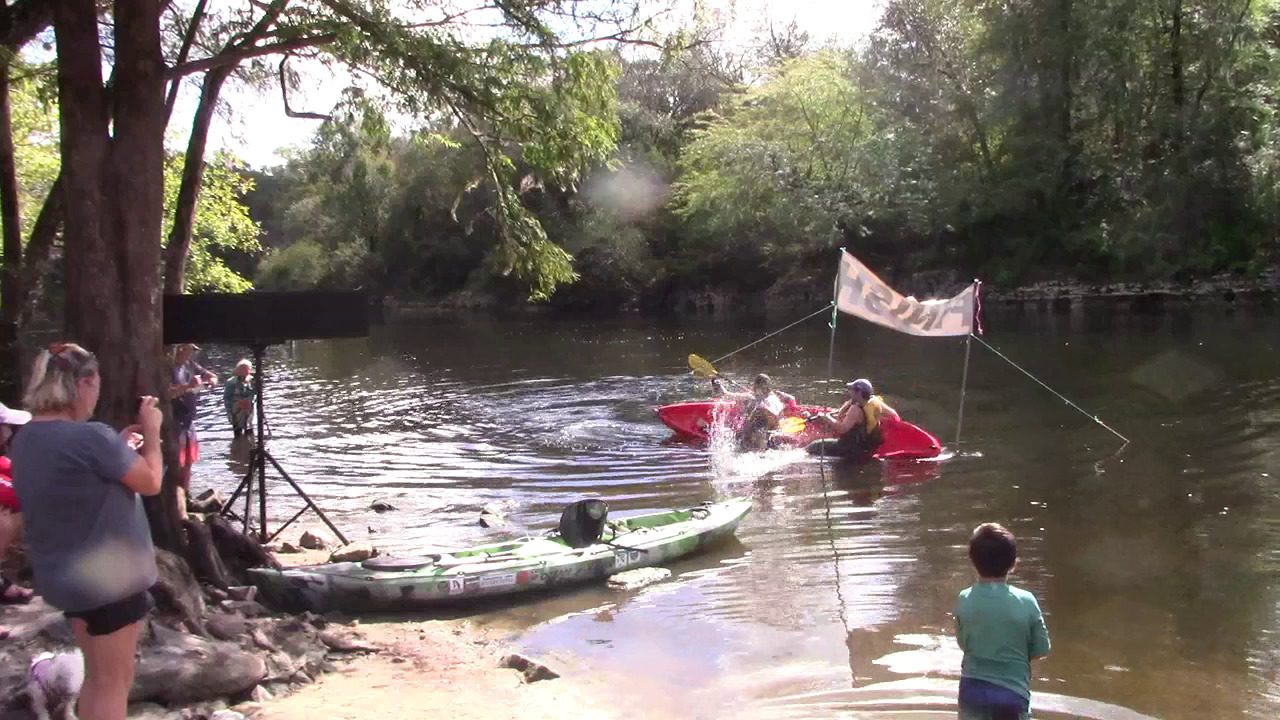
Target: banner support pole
pixel 964 377
pixel 831 346
pixel 964 382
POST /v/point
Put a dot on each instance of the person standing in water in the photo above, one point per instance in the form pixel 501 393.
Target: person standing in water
pixel 238 398
pixel 857 424
pixel 188 377
pixel 766 407
pixel 1000 629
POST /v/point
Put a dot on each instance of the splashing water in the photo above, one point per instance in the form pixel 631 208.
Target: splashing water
pixel 727 464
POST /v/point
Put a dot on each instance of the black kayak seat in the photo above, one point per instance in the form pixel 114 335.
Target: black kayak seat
pixel 582 523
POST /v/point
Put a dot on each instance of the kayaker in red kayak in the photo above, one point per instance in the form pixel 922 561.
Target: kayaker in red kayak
pixel 767 406
pixel 857 422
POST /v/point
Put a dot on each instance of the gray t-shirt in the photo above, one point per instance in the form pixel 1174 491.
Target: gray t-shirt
pixel 88 534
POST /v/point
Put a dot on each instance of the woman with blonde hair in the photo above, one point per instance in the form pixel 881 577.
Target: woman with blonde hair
pixel 90 546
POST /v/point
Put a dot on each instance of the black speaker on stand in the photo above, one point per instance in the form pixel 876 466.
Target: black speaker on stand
pixel 258 320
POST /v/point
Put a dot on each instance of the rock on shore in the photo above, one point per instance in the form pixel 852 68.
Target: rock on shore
pixel 204 650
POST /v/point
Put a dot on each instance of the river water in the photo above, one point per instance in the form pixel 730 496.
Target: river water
pixel 1155 563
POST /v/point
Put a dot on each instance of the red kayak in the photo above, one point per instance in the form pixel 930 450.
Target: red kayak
pixel 695 419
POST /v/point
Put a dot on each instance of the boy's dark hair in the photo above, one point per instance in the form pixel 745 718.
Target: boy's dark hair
pixel 992 550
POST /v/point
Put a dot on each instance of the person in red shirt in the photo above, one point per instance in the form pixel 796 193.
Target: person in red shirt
pixel 10 517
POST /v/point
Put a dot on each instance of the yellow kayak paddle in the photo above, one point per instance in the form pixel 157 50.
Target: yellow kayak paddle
pixel 791 425
pixel 706 371
pixel 701 367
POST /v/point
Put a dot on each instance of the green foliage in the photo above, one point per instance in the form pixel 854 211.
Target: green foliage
pixel 301 266
pixel 1015 142
pixel 34 117
pixel 222 223
pixel 1077 138
pixel 782 166
pixel 529 102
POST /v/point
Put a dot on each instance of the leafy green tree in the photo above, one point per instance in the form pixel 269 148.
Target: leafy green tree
pixel 785 165
pixel 34 112
pixel 222 223
pixel 529 88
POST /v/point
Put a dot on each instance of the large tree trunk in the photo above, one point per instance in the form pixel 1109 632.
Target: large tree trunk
pixel 175 260
pixel 135 172
pixel 95 313
pixel 10 217
pixel 114 188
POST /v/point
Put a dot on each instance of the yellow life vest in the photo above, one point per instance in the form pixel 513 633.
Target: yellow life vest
pixel 871 411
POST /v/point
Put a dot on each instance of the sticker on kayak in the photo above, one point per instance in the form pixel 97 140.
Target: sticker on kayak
pixel 456 586
pixel 623 559
pixel 492 581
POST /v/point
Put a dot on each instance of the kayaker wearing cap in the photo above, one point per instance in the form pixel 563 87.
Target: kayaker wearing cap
pixel 857 422
pixel 767 406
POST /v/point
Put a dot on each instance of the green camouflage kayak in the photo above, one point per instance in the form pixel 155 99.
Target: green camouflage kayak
pixel 529 563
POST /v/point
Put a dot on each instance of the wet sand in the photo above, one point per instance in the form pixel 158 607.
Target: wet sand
pixel 450 668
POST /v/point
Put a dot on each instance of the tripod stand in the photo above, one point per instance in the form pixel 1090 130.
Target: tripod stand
pixel 258 459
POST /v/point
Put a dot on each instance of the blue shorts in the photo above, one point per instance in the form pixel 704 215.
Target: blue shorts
pixel 982 700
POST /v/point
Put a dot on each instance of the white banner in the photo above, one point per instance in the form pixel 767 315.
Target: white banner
pixel 859 292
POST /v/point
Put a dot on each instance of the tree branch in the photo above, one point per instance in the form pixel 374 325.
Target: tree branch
pixel 184 215
pixel 1215 66
pixel 22 21
pixel 284 95
pixel 36 262
pixel 447 19
pixel 10 212
pixel 187 39
pixel 622 36
pixel 271 13
pixel 240 54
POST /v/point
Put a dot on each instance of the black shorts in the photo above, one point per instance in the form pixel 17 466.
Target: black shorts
pixel 114 616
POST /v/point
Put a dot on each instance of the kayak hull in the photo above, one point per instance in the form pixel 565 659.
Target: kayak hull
pixel 901 439
pixel 694 420
pixel 516 566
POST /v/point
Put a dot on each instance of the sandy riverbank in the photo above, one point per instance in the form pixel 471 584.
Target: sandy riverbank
pixel 453 668
pixel 450 668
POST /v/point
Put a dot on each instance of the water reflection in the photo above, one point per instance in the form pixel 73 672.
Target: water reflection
pixel 1156 566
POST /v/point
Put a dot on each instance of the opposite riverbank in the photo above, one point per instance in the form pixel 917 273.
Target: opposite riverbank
pixel 805 289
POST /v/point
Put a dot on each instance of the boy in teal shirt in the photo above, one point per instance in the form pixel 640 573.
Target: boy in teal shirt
pixel 1000 629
